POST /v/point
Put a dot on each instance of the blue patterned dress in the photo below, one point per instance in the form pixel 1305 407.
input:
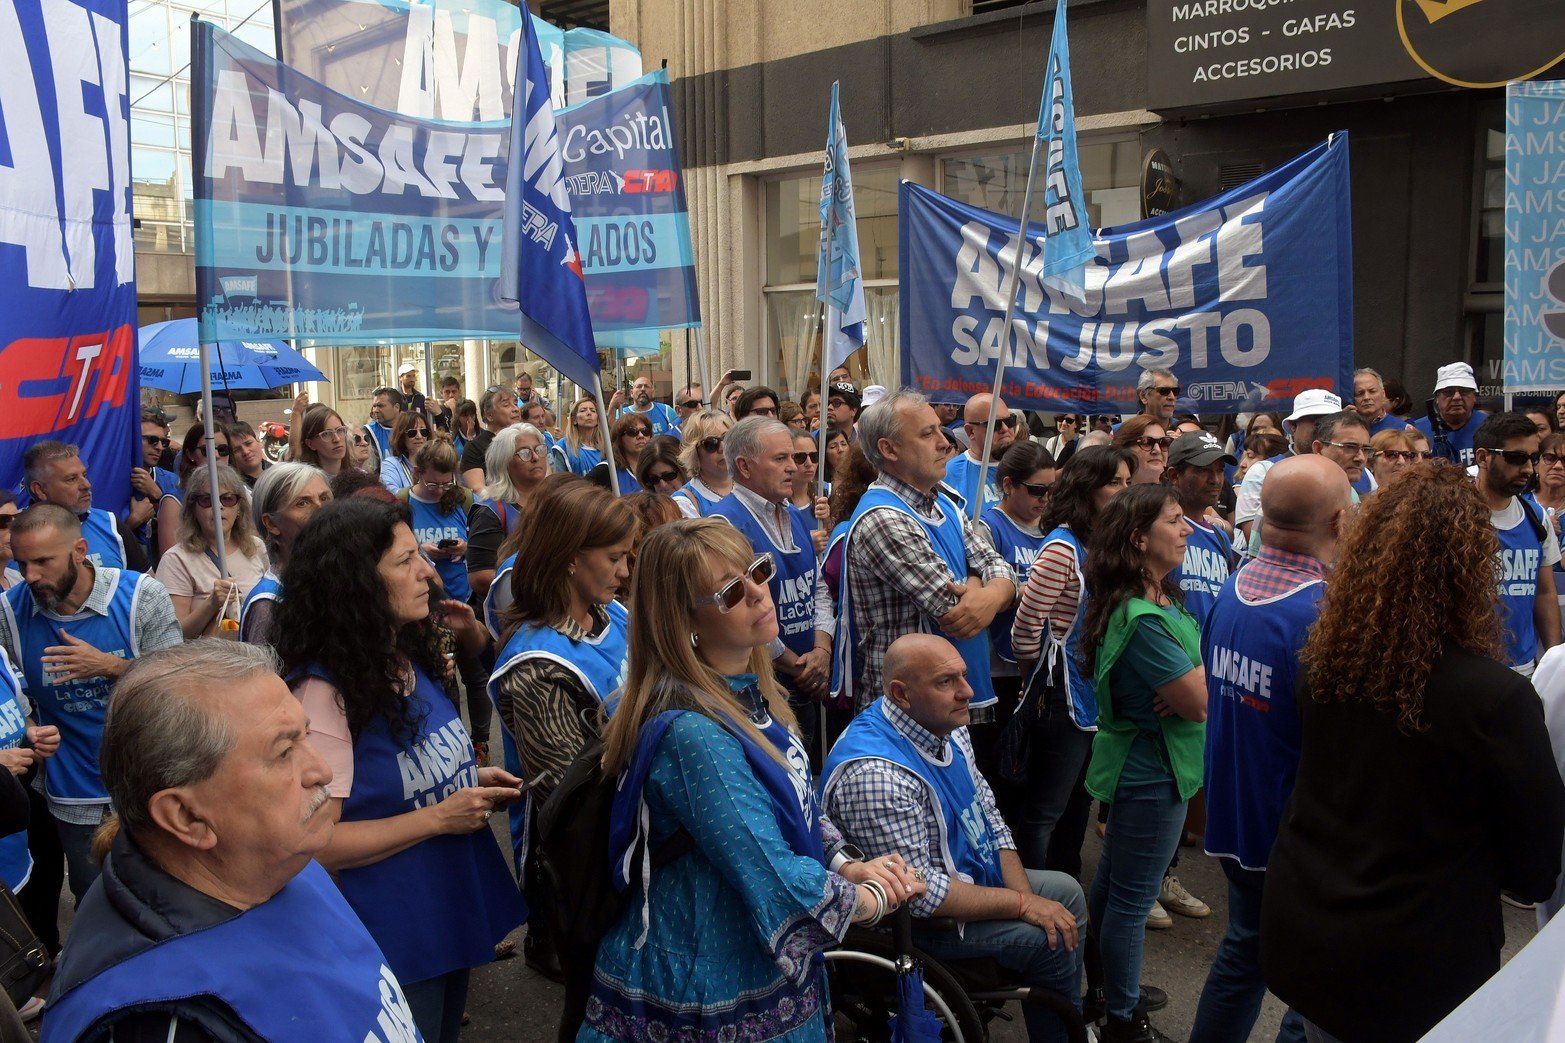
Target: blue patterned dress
pixel 736 926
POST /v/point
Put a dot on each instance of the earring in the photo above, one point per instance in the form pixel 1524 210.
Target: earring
pixel 695 642
pixel 573 568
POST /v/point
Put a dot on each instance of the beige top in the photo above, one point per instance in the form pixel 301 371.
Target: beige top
pixel 193 574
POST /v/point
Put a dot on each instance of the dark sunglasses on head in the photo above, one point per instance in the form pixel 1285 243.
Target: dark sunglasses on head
pixel 1515 457
pixel 1147 442
pixel 156 442
pixel 730 594
pixel 710 445
pixel 204 500
pixel 665 476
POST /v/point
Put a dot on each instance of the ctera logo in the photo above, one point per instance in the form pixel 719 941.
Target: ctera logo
pixel 1224 391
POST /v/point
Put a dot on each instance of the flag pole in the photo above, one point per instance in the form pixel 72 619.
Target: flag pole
pixel 204 351
pixel 1010 314
pixel 706 389
pixel 603 432
pixel 833 317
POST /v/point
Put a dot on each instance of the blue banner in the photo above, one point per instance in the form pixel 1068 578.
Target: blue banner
pixel 1247 298
pixel 1534 236
pixel 838 279
pixel 68 325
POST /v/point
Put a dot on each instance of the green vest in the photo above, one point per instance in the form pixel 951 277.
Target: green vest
pixel 1185 740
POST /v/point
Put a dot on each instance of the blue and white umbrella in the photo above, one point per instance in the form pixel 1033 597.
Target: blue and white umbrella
pixel 170 359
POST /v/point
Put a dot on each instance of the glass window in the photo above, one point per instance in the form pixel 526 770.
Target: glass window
pixel 1491 211
pixel 151 93
pixel 794 318
pixel 149 41
pixel 359 372
pixel 1110 175
pixel 151 128
pixel 793 225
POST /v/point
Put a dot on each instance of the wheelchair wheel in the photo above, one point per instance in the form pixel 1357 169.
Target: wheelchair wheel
pixel 864 993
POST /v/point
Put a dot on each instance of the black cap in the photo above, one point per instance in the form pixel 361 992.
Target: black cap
pixel 1200 448
pixel 845 391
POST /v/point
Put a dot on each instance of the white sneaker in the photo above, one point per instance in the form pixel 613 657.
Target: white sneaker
pixel 1158 919
pixel 1176 899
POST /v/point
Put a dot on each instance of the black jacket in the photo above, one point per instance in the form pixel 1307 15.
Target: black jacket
pixel 132 906
pixel 1382 904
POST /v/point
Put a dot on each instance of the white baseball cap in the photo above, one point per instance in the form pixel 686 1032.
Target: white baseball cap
pixel 1456 375
pixel 407 367
pixel 1314 402
pixel 872 394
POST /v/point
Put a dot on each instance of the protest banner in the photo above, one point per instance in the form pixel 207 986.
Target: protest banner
pixel 1247 298
pixel 68 328
pixel 1534 236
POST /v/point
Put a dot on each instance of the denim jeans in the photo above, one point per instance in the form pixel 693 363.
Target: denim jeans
pixel 1231 1000
pixel 80 869
pixel 1023 950
pixel 1143 830
pixel 437 1005
pixel 1051 815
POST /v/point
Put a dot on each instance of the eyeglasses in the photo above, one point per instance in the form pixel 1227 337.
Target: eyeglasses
pixel 800 459
pixel 1515 457
pixel 526 453
pixel 1006 421
pixel 357 439
pixel 222 450
pixel 763 410
pixel 730 594
pixel 666 476
pixel 204 500
pixel 1550 459
pixel 156 442
pixel 438 487
pixel 1395 455
pixel 694 403
pixel 1426 454
pixel 1147 442
pixel 1174 391
pixel 710 445
pixel 1037 490
pixel 1354 449
pixel 334 433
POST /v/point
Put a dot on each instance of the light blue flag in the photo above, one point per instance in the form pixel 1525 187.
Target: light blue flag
pixel 838 280
pixel 1066 232
pixel 540 268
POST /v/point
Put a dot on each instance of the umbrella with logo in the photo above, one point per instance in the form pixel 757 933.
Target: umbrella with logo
pixel 170 358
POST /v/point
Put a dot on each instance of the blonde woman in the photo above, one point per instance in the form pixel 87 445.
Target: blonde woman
pixel 701 456
pixel 581 448
pixel 189 568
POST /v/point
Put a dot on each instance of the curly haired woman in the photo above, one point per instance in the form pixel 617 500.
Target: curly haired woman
pixel 1425 786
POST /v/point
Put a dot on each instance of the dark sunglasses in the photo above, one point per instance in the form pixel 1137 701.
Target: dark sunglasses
pixel 763 410
pixel 222 450
pixel 730 594
pixel 1147 442
pixel 634 431
pixel 1037 490
pixel 418 432
pixel 710 445
pixel 1395 455
pixel 694 403
pixel 1005 421
pixel 204 500
pixel 803 458
pixel 156 442
pixel 1166 391
pixel 1515 457
pixel 666 476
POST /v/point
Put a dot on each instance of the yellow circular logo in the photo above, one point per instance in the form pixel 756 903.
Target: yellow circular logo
pixel 1482 43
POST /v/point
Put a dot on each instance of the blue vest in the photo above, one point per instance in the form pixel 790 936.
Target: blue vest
pixel 498 597
pixel 1251 651
pixel 962 475
pixel 382 437
pixel 298 967
pixel 628 483
pixel 1521 555
pixel 690 494
pixel 1365 484
pixel 396 473
pixel 509 514
pixel 945 536
pixel 1461 439
pixel 968 846
pixel 1079 688
pixel 75 707
pixel 661 416
pixel 16 862
pixel 267 588
pixel 793 584
pixel 105 549
pixel 1019 549
pixel 582 461
pixel 168 481
pixel 1389 422
pixel 1208 559
pixel 430 525
pixel 442 904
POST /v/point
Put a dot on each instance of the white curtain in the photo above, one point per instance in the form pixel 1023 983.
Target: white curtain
pixel 796 324
pixel 882 335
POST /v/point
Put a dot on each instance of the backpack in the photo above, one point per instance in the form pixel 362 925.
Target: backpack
pixel 1539 527
pixel 572 882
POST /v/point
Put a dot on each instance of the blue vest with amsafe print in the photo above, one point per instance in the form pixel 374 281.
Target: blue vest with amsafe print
pixel 793 584
pixel 970 847
pixel 1208 561
pixel 442 904
pixel 298 967
pixel 77 708
pixel 1521 556
pixel 431 525
pixel 1020 549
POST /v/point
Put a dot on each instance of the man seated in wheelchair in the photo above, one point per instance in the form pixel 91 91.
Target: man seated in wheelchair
pixel 902 779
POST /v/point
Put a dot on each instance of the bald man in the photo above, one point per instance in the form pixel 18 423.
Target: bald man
pixel 901 780
pixel 962 471
pixel 1251 649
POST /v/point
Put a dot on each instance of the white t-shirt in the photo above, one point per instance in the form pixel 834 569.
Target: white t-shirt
pixel 1511 516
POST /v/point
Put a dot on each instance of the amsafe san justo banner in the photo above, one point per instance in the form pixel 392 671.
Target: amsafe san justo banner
pixel 1247 298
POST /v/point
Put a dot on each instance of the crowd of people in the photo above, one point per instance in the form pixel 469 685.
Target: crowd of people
pixel 831 662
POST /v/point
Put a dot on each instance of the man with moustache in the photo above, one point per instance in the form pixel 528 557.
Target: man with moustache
pixel 211 921
pixel 72 629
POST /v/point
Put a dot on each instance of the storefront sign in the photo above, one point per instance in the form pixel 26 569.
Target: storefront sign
pixel 1159 184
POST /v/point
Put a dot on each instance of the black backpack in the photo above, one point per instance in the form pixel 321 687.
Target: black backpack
pixel 572 885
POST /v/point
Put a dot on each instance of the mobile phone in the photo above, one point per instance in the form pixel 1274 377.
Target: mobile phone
pixel 443 544
pixel 741 374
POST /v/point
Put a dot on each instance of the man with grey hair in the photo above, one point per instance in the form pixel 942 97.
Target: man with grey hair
pixel 1369 399
pixel 913 562
pixel 1158 390
pixel 56 473
pixel 72 629
pixel 760 456
pixel 210 903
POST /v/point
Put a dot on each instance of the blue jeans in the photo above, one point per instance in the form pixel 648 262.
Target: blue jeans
pixel 1231 1001
pixel 80 869
pixel 1145 822
pixel 437 1005
pixel 1023 950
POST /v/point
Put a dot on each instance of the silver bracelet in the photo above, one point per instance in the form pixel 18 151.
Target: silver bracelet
pixel 881 902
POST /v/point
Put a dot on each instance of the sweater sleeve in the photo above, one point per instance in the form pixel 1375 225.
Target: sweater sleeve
pixel 1050 596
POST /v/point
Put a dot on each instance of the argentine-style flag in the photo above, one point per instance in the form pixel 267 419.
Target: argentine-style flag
pixel 1067 235
pixel 539 266
pixel 838 280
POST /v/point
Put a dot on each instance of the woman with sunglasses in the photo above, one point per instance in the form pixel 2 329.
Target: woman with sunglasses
pixel 409 433
pixel 1393 454
pixel 1150 440
pixel 581 448
pixel 189 568
pixel 192 456
pixel 805 498
pixel 629 436
pixel 701 457
pixel 657 469
pixel 733 929
pixel 514 465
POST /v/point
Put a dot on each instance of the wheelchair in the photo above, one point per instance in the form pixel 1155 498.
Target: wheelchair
pixel 966 995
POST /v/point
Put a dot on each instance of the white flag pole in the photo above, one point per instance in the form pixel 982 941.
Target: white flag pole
pixel 603 431
pixel 204 351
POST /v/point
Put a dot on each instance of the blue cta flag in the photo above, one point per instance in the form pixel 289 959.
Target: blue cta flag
pixel 1534 237
pixel 539 266
pixel 68 318
pixel 1067 237
pixel 838 280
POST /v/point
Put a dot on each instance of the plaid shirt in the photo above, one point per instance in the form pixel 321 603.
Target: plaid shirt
pixel 1274 572
pixel 885 809
pixel 897 582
